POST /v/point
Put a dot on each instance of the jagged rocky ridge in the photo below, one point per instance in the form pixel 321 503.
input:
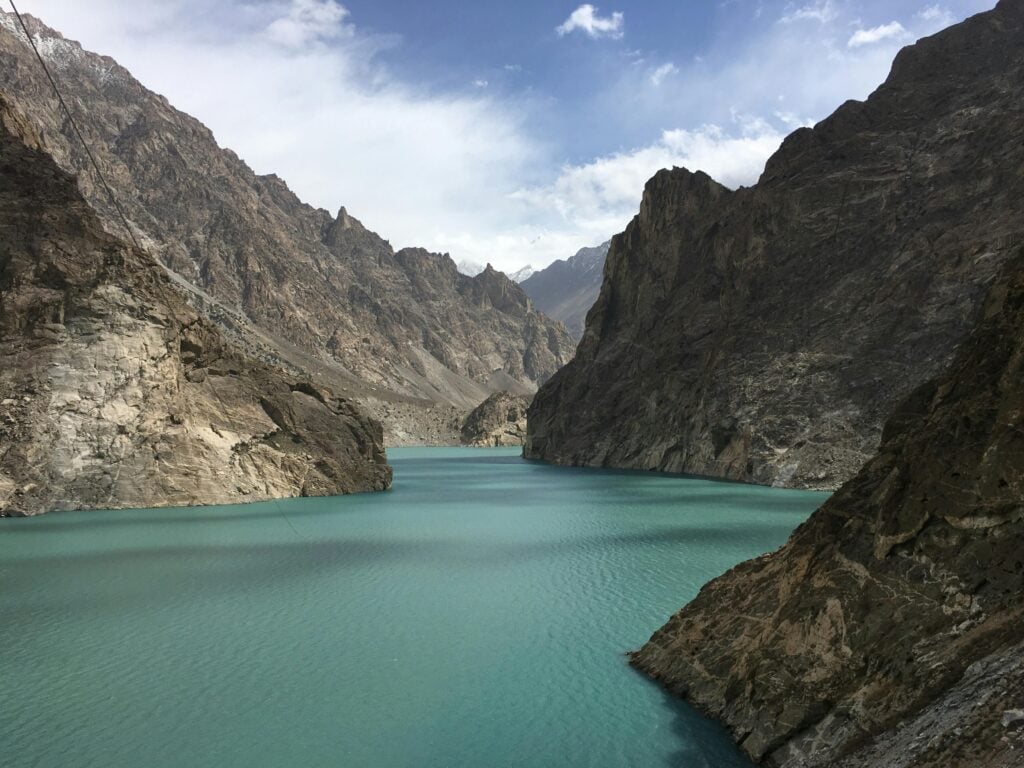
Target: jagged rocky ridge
pixel 764 334
pixel 498 420
pixel 566 289
pixel 317 294
pixel 889 630
pixel 114 392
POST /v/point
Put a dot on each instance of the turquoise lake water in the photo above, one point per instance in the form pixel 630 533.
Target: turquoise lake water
pixel 475 616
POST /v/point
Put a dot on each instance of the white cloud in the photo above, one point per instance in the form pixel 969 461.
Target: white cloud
pixel 602 195
pixel 662 72
pixel 586 20
pixel 892 30
pixel 936 16
pixel 480 83
pixel 821 11
pixel 792 121
pixel 309 21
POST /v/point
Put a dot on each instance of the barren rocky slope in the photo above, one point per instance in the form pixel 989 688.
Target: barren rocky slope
pixel 114 392
pixel 764 334
pixel 566 289
pixel 889 630
pixel 316 293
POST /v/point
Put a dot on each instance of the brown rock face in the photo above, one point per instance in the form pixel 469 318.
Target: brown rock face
pixel 498 420
pixel 318 294
pixel 889 630
pixel 114 392
pixel 764 334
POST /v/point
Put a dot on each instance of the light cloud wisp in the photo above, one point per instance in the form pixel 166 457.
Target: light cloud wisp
pixel 586 20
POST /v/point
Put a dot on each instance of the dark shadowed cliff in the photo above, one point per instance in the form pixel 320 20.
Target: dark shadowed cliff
pixel 114 392
pixel 889 630
pixel 316 293
pixel 764 334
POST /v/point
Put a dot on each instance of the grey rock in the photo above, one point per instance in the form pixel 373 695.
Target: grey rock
pixel 1013 718
pixel 764 334
pixel 566 289
pixel 900 586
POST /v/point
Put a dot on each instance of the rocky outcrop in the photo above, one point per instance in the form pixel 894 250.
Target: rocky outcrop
pixel 114 392
pixel 566 289
pixel 764 334
pixel 498 420
pixel 316 293
pixel 889 629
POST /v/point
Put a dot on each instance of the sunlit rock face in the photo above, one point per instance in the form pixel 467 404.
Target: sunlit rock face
pixel 765 334
pixel 114 392
pixel 498 420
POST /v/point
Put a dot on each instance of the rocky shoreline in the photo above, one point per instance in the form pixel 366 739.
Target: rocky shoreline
pixel 896 600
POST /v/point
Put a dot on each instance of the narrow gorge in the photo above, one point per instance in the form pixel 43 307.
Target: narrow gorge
pixel 330 501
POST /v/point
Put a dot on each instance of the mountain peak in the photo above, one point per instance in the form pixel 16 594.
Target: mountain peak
pixel 344 221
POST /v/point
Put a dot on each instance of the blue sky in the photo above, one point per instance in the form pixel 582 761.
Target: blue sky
pixel 513 133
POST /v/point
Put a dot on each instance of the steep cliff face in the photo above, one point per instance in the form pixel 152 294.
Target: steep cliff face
pixel 114 392
pixel 889 630
pixel 566 289
pixel 764 334
pixel 316 293
pixel 498 420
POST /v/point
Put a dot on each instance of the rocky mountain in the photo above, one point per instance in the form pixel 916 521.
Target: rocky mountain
pixel 316 293
pixel 114 392
pixel 567 289
pixel 764 334
pixel 498 420
pixel 889 630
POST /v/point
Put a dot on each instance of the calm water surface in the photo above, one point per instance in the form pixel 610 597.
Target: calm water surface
pixel 475 616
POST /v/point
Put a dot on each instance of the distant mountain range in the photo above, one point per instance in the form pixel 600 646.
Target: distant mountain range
pixel 567 289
